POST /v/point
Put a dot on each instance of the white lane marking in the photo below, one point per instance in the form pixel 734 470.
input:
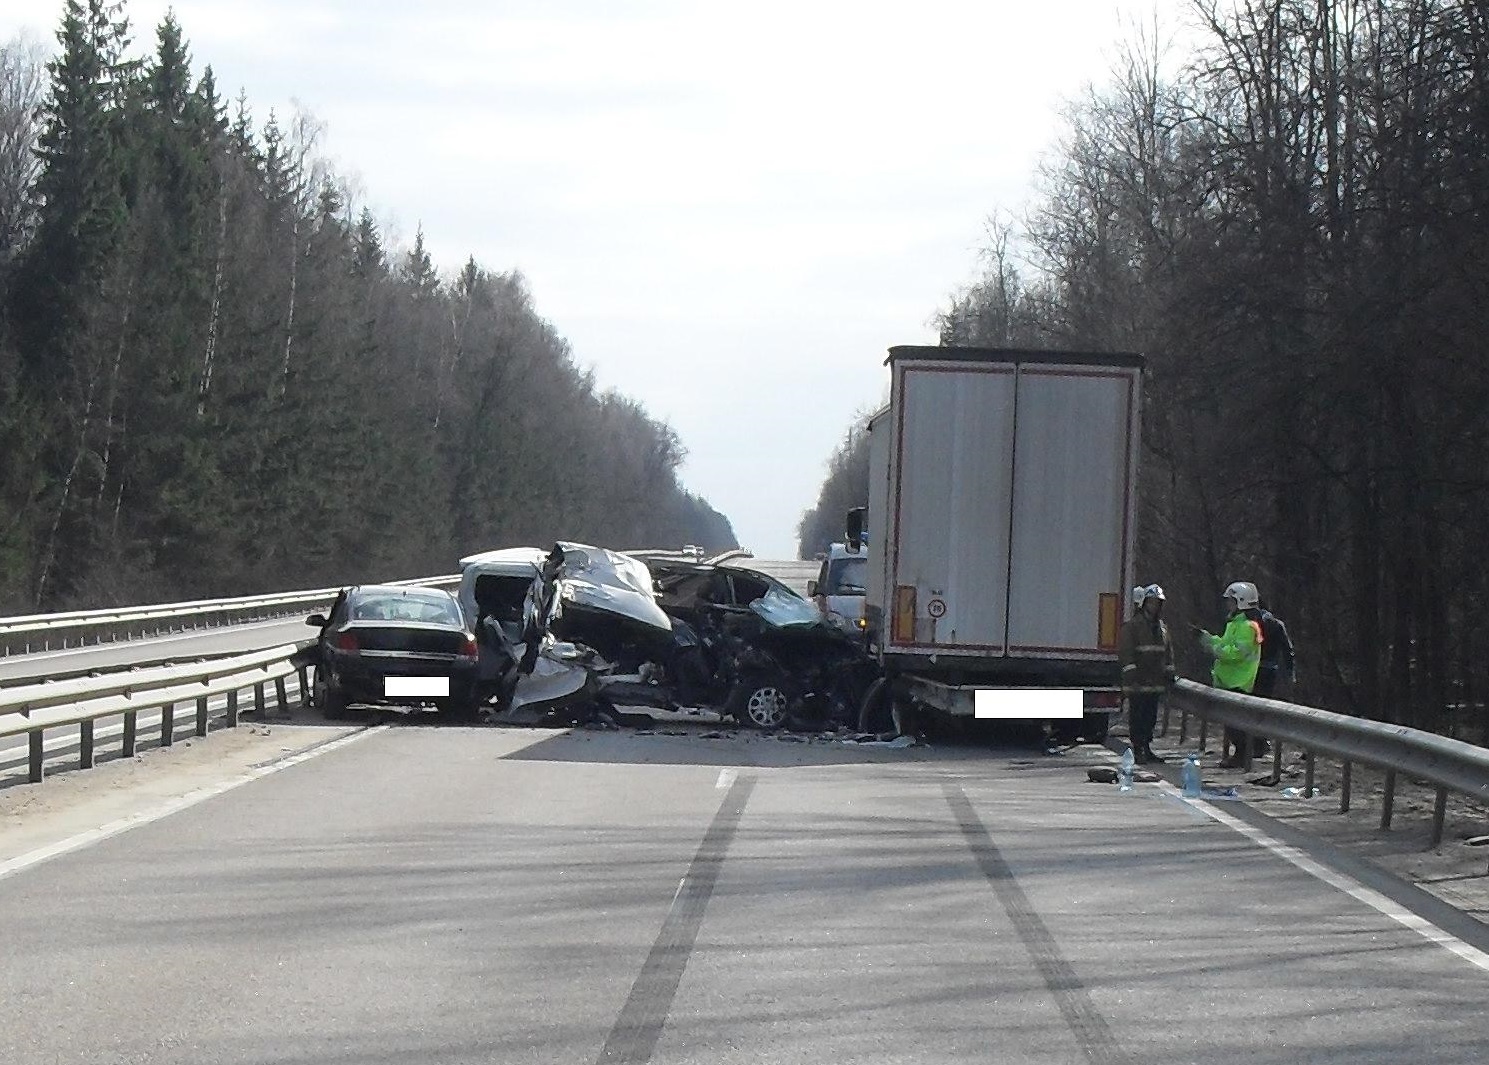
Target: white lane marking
pixel 171 806
pixel 1347 884
pixel 726 778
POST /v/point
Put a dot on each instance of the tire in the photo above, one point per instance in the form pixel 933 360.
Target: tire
pixel 876 712
pixel 760 704
pixel 332 703
pixel 1066 731
pixel 1096 727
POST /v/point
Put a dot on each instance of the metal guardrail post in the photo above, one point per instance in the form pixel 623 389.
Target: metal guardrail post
pixel 167 725
pixel 1277 762
pixel 85 745
pixel 283 701
pixel 1439 815
pixel 258 700
pixel 1308 776
pixel 201 716
pixel 1344 787
pixel 36 755
pixel 303 674
pixel 131 726
pixel 232 709
pixel 1204 726
pixel 1390 799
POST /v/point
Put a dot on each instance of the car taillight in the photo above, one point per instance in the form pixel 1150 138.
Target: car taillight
pixel 469 649
pixel 347 641
pixel 1104 700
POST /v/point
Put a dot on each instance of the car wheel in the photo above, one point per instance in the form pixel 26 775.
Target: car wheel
pixel 761 704
pixel 332 703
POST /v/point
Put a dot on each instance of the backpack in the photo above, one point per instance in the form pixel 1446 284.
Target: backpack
pixel 1277 646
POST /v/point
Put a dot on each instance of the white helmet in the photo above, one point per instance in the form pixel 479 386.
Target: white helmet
pixel 1244 593
pixel 1139 594
pixel 1142 595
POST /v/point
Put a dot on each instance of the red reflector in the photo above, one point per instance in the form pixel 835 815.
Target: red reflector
pixel 347 641
pixel 1104 699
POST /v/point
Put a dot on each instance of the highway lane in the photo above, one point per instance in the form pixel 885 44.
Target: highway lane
pixel 185 646
pixel 483 895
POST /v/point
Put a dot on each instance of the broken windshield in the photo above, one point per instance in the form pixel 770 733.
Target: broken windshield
pixel 781 609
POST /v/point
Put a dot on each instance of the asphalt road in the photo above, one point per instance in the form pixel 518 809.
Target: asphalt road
pixel 487 895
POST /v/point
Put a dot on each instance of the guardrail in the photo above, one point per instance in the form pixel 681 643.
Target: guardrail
pixel 46 632
pixel 35 708
pixel 1449 765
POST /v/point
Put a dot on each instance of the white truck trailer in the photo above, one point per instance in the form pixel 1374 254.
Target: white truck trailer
pixel 1000 529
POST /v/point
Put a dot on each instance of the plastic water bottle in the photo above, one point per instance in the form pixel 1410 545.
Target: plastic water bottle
pixel 1193 786
pixel 1124 775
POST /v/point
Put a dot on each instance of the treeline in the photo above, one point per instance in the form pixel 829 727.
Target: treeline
pixel 844 487
pixel 1294 226
pixel 216 376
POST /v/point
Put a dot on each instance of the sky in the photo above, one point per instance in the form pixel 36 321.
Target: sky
pixel 730 211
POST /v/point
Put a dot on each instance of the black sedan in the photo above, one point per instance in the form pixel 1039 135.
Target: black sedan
pixel 394 645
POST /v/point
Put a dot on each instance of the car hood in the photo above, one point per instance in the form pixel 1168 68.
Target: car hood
pixel 599 579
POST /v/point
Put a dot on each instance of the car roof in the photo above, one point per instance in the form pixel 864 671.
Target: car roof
pixel 363 591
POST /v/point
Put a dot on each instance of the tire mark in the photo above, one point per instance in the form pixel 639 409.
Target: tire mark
pixel 1086 1023
pixel 634 1037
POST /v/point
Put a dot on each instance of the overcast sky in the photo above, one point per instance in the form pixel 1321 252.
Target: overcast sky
pixel 730 210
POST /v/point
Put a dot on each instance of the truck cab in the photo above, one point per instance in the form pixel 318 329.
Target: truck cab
pixel 841 587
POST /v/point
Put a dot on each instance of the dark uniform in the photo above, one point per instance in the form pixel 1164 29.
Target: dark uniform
pixel 1146 654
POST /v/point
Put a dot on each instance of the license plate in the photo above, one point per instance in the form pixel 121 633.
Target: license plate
pixel 1027 704
pixel 416 687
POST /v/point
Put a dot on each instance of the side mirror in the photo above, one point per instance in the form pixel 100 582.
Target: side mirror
pixel 811 589
pixel 855 527
pixel 316 620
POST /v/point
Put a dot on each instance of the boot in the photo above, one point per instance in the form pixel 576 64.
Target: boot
pixel 1151 755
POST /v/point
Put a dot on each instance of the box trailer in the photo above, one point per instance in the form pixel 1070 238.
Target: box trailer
pixel 1000 529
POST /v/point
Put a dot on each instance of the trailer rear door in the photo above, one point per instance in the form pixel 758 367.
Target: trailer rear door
pixel 1074 467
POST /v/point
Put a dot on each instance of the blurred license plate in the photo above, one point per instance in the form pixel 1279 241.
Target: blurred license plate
pixel 417 687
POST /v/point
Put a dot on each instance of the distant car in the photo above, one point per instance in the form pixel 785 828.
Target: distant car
pixel 394 645
pixel 840 590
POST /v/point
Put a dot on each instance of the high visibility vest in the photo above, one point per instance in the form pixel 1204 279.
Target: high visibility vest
pixel 1238 654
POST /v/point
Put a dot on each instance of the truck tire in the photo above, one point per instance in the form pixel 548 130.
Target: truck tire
pixel 876 712
pixel 1095 727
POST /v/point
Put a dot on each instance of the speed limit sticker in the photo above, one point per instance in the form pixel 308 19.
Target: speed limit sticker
pixel 936 608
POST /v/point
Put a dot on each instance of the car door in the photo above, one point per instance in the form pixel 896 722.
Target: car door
pixel 334 620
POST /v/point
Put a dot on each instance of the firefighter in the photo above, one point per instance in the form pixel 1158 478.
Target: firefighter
pixel 1146 654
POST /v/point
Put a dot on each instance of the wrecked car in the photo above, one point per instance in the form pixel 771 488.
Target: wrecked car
pixel 763 654
pixel 584 630
pixel 558 630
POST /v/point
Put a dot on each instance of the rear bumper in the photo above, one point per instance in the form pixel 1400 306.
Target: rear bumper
pixel 960 700
pixel 361 680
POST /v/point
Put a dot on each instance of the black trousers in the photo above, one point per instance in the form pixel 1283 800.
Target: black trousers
pixel 1143 708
